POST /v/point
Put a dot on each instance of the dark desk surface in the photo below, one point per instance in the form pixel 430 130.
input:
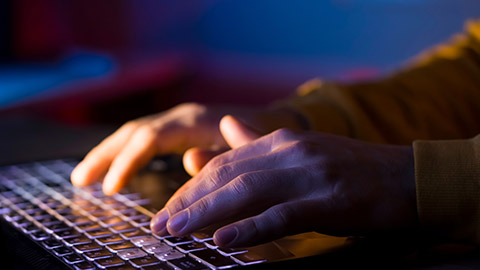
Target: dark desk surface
pixel 27 138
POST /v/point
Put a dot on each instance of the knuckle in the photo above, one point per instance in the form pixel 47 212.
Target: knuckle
pixel 244 184
pixel 145 131
pixel 302 148
pixel 283 134
pixel 219 176
pixel 202 206
pixel 281 215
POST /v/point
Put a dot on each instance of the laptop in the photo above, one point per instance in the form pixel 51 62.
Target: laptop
pixel 55 225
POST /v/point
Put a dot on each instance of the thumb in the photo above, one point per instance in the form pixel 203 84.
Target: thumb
pixel 237 133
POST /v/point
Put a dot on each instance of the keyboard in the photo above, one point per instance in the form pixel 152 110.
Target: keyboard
pixel 84 229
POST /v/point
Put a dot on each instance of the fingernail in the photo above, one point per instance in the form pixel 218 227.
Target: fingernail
pixel 159 221
pixel 177 223
pixel 226 237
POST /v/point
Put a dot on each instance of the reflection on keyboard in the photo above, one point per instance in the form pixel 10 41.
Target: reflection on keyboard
pixel 88 230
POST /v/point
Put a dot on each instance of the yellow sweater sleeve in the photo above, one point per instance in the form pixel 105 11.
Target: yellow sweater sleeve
pixel 435 104
pixel 436 97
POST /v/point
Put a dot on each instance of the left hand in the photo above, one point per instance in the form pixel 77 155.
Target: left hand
pixel 291 182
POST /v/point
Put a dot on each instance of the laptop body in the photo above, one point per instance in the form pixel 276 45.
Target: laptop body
pixel 40 207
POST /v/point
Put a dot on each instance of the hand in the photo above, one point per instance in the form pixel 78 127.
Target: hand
pixel 185 126
pixel 291 182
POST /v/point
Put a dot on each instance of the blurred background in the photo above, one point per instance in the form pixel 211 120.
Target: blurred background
pixel 105 62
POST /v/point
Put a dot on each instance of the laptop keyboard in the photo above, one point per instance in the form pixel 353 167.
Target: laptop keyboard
pixel 87 230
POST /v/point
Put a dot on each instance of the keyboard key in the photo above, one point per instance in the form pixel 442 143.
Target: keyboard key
pixel 213 259
pixel 230 251
pixel 187 263
pixel 132 253
pixel 40 235
pixel 90 226
pixel 82 239
pixel 169 255
pixel 144 261
pixel 160 266
pixel 125 227
pixel 133 234
pixel 157 248
pixel 30 228
pixel 72 258
pixel 141 220
pixel 67 234
pixel 248 258
pixel 194 246
pixel 98 254
pixel 101 232
pixel 112 221
pixel 87 247
pixel 174 241
pixel 51 243
pixel 62 251
pixel 112 239
pixel 145 240
pixel 201 236
pixel 119 246
pixel 84 266
pixel 109 262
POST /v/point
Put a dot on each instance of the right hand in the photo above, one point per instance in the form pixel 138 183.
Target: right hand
pixel 132 146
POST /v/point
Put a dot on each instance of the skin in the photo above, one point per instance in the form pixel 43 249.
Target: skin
pixel 266 187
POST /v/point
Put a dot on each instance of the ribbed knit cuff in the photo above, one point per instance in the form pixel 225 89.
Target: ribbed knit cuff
pixel 447 177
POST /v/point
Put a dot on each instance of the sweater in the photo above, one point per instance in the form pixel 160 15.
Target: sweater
pixel 433 103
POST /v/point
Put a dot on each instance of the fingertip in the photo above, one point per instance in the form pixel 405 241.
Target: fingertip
pixel 110 185
pixel 190 161
pixel 78 176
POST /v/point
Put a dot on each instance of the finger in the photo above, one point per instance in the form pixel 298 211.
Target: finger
pixel 98 160
pixel 236 133
pixel 137 152
pixel 253 192
pixel 213 177
pixel 277 221
pixel 194 159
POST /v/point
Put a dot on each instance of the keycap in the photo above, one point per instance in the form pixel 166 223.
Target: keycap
pixel 119 246
pixel 112 221
pixel 141 220
pixel 98 254
pixel 30 228
pixel 124 227
pixel 187 263
pixel 40 235
pixel 144 261
pixel 62 251
pixel 84 266
pixel 77 240
pixel 169 255
pixel 131 253
pixel 51 243
pixel 109 262
pixel 72 258
pixel 230 251
pixel 157 248
pixel 90 226
pixel 145 240
pixel 174 241
pixel 194 246
pixel 67 234
pixel 160 266
pixel 87 247
pixel 213 259
pixel 133 234
pixel 201 236
pixel 102 232
pixel 112 239
pixel 58 227
pixel 248 258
